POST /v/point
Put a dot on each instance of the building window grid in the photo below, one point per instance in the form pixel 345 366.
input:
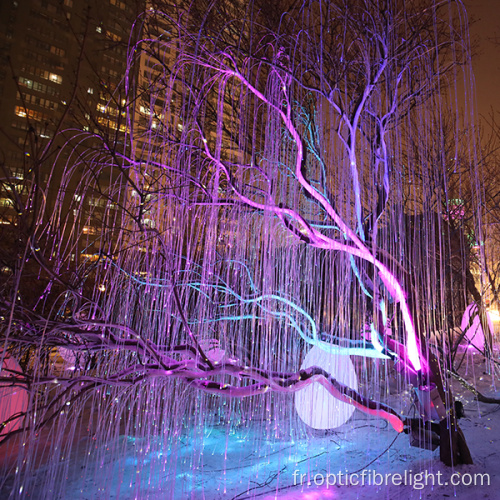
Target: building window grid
pixel 32 114
pixel 38 101
pixel 42 73
pixel 39 87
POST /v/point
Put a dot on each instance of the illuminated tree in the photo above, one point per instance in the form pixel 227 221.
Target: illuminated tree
pixel 257 203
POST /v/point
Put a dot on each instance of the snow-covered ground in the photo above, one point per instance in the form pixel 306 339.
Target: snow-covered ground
pixel 233 462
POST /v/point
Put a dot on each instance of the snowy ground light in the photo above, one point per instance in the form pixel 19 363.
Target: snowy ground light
pixel 239 463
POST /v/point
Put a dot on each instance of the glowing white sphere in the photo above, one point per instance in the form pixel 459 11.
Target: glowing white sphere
pixel 315 405
pixel 13 399
pixel 474 334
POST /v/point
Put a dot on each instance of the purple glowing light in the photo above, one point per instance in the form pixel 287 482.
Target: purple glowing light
pixel 315 237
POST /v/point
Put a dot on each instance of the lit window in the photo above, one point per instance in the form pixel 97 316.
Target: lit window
pixel 149 223
pixel 90 256
pixel 89 230
pixel 118 3
pixel 55 78
pixel 98 29
pixel 57 51
pixel 113 36
pixel 99 202
pixel 6 202
pixel 18 173
pixel 26 82
pixel 20 111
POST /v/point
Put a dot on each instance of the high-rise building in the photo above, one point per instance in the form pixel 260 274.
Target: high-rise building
pixel 52 52
pixel 61 65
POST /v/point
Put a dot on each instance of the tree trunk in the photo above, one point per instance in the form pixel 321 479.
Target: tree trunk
pixel 453 446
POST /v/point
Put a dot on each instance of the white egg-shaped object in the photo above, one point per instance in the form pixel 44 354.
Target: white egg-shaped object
pixel 315 405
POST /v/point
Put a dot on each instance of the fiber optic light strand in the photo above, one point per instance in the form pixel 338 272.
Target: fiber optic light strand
pixel 370 352
pixel 326 346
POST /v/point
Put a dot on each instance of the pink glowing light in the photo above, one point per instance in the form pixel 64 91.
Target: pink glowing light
pixel 13 398
pixel 471 325
pixel 315 237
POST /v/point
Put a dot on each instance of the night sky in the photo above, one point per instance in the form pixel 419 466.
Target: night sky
pixel 486 62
